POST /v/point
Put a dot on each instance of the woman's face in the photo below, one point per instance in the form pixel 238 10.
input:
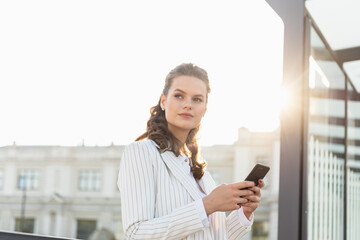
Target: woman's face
pixel 185 104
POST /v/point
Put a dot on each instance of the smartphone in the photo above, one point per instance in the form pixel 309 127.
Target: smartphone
pixel 258 172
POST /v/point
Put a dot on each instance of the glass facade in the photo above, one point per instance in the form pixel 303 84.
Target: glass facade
pixel 326 140
pixel 333 167
pixel 353 164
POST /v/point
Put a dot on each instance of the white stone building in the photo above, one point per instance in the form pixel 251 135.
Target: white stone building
pixel 232 163
pixel 72 191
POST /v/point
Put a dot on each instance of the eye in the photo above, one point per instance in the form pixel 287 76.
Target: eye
pixel 178 96
pixel 198 99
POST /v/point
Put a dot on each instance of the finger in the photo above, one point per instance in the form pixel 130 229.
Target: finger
pixel 240 201
pixel 245 192
pixel 253 198
pixel 244 184
pixel 250 205
pixel 256 190
pixel 261 183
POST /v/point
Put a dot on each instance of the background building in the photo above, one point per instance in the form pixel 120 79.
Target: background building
pixel 71 191
pixel 231 163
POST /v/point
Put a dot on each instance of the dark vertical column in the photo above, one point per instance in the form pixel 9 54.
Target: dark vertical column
pixel 291 148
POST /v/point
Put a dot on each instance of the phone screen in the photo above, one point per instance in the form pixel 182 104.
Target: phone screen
pixel 258 172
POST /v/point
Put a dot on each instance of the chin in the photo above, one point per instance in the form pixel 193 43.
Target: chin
pixel 186 128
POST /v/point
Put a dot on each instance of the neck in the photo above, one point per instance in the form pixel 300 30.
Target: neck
pixel 181 138
pixel 180 135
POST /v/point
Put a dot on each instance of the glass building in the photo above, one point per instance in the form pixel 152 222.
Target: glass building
pixel 320 133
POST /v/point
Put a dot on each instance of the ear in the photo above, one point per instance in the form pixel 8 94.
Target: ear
pixel 204 111
pixel 162 101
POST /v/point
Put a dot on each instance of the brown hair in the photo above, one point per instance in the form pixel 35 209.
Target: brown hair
pixel 157 127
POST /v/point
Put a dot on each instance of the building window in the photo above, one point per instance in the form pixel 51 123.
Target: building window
pixel 1 179
pixel 89 180
pixel 85 228
pixel 260 230
pixel 28 178
pixel 27 225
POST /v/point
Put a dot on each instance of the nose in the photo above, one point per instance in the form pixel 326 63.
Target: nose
pixel 187 104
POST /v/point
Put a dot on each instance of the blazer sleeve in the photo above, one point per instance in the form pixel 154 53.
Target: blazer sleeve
pixel 137 187
pixel 235 228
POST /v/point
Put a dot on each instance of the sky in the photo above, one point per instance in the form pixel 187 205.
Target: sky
pixel 74 72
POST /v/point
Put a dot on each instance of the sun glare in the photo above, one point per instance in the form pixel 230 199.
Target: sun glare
pixel 95 74
pixel 284 99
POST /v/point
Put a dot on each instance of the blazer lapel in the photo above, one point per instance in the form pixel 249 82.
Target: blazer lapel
pixel 206 184
pixel 180 173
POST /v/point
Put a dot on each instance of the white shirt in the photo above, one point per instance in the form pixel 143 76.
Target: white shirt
pixel 185 162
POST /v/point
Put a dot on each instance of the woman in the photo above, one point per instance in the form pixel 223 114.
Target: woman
pixel 166 193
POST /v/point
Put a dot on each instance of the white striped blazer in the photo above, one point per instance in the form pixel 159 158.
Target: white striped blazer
pixel 158 198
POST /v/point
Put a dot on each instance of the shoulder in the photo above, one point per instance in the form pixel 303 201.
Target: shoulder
pixel 138 158
pixel 143 144
pixel 145 147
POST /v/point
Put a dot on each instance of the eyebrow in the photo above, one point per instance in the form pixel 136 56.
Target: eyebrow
pixel 197 95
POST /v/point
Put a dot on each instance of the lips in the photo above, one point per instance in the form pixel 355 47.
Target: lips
pixel 186 115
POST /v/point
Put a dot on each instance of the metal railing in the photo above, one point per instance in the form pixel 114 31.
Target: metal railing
pixel 325 193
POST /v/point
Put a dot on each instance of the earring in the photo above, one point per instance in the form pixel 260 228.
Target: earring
pixel 162 108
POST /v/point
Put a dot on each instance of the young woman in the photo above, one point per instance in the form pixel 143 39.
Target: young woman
pixel 166 192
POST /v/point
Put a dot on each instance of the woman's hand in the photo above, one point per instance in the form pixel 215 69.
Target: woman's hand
pixel 253 200
pixel 228 197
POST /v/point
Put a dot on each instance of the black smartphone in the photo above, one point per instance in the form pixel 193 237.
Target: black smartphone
pixel 258 172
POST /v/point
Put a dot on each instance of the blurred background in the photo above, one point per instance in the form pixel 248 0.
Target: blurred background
pixel 78 79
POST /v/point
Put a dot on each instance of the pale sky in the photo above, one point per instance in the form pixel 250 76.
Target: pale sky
pixel 74 70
